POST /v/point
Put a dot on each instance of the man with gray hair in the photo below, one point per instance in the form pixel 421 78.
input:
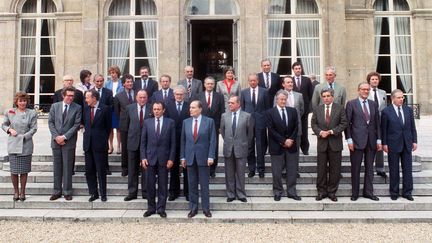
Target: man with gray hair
pixel 339 90
pixel 192 85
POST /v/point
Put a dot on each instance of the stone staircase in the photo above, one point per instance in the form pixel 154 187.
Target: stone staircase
pixel 260 206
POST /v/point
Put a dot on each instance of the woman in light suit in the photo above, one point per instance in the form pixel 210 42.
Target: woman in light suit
pixel 21 124
pixel 228 86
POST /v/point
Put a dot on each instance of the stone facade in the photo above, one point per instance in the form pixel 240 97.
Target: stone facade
pixel 347 41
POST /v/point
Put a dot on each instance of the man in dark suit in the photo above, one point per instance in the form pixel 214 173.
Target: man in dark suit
pixel 213 107
pixel 192 85
pixel 136 113
pixel 64 121
pixel 178 111
pixel 165 94
pixel 363 135
pixel 121 101
pixel 105 97
pixel 97 124
pixel 68 82
pixel 282 124
pixel 303 85
pixel 157 157
pixel 255 100
pixel 197 152
pixel 328 122
pixel 399 139
pixel 145 83
pixel 269 80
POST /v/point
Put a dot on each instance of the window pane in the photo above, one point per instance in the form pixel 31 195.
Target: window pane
pixel 306 47
pixel 145 7
pixel 381 26
pixel 146 48
pixel 400 5
pixel 225 7
pixel 118 48
pixel 385 84
pixel 48 27
pixel 46 65
pixel 306 7
pixel 403 64
pixel 27 65
pixel 47 84
pixel 381 5
pixel 47 46
pixel 402 26
pixel 199 7
pixel 120 7
pixel 280 47
pixel 30 6
pixel 27 84
pixel 123 64
pixel 310 65
pixel 383 43
pixel 279 7
pixel 147 30
pixel 118 30
pixel 283 66
pixel 28 46
pixel 48 6
pixel 403 45
pixel 28 27
pixel 404 83
pixel 279 28
pixel 383 65
pixel 308 28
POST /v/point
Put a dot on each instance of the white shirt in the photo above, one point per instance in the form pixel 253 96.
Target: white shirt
pixel 193 123
pixel 267 78
pixel 367 105
pixel 325 109
pixel 139 109
pixel 291 98
pixel 63 109
pixel 395 107
pixel 160 124
pixel 95 107
pixel 144 83
pixel 285 112
pixel 237 117
pixel 211 97
pixel 114 87
pixel 256 93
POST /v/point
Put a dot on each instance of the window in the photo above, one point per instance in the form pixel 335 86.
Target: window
pixel 212 7
pixel 293 34
pixel 37 51
pixel 393 54
pixel 132 36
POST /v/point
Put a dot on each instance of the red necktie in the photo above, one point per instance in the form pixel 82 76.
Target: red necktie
pixel 208 100
pixel 91 115
pixel 327 115
pixel 195 133
pixel 365 112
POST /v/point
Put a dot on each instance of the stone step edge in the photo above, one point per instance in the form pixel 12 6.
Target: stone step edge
pixel 175 216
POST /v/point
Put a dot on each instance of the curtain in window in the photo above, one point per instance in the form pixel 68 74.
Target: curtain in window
pixel 149 27
pixel 51 8
pixel 308 45
pixel 28 47
pixel 118 31
pixel 403 52
pixel 379 6
pixel 275 30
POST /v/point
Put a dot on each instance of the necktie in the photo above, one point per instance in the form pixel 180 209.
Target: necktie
pixel 267 81
pixel 365 112
pixel 253 98
pixel 195 132
pixel 284 117
pixel 91 114
pixel 179 107
pixel 376 96
pixel 130 97
pixel 234 123
pixel 189 87
pixel 141 116
pixel 144 85
pixel 331 86
pixel 400 115
pixel 65 113
pixel 165 95
pixel 298 82
pixel 327 115
pixel 157 129
pixel 289 100
pixel 208 100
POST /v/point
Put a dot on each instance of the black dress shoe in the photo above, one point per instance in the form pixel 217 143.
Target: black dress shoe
pixel 93 197
pixel 55 197
pixel 192 214
pixel 148 213
pixel 243 200
pixel 207 214
pixel 162 214
pixel 371 197
pixel 124 173
pixel 305 152
pixel 277 197
pixel 230 199
pixel 129 198
pixel 382 174
pixel 394 198
pixel 212 174
pixel 284 175
pixel 187 197
pixel 408 197
pixel 251 174
pixel 333 198
pixel 298 175
pixel 109 172
pixel 144 196
pixel 295 197
pixel 354 198
pixel 320 197
pixel 172 197
pixel 261 175
pixel 68 197
pixel 103 198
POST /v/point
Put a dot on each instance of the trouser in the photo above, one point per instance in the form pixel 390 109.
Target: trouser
pixel 124 154
pixel 235 176
pixel 95 167
pixel 198 174
pixel 159 173
pixel 356 158
pixel 63 167
pixel 407 180
pixel 278 162
pixel 328 162
pixel 134 168
pixel 260 145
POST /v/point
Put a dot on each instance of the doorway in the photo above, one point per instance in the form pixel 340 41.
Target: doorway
pixel 212 47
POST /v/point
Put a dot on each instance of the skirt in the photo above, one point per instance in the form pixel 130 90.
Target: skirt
pixel 114 121
pixel 20 164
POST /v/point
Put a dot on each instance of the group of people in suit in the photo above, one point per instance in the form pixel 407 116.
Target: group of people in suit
pixel 173 130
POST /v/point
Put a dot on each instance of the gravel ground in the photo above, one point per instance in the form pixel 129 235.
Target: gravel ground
pixel 11 231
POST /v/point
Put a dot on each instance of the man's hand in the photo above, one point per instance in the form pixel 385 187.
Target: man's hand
pixel 144 164
pixel 288 143
pixel 379 147
pixel 324 134
pixel 170 164
pixel 385 148
pixel 351 147
pixel 183 163
pixel 60 140
pixel 414 147
pixel 12 132
pixel 209 162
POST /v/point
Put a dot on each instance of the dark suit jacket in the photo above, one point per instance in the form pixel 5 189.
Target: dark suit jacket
pixel 68 128
pixel 338 123
pixel 152 86
pixel 107 98
pixel 275 83
pixel 216 109
pixel 121 101
pixel 158 96
pixel 262 105
pixel 79 97
pixel 96 134
pixel 134 126
pixel 278 131
pixel 395 134
pixel 358 129
pixel 158 151
pixel 171 112
pixel 306 89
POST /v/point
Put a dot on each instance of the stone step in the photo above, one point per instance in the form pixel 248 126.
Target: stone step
pixel 228 216
pixel 306 167
pixel 216 190
pixel 421 177
pixel 220 204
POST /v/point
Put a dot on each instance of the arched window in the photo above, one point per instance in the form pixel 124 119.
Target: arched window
pixel 293 34
pixel 393 54
pixel 212 7
pixel 37 51
pixel 132 36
